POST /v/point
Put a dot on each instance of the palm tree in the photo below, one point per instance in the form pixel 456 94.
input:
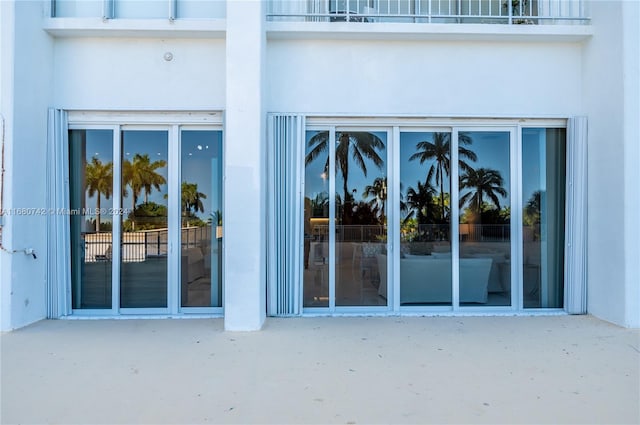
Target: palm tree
pixel 440 152
pixel 191 198
pixel 419 200
pixel 358 146
pixel 481 182
pixel 99 180
pixel 379 192
pixel 140 174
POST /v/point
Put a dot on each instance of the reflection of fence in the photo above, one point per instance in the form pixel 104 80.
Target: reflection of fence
pixel 137 246
pixel 352 233
pixel 485 232
pixel 468 233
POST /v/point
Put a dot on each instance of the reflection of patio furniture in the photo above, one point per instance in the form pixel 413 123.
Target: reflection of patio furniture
pixel 364 261
pixel 106 256
pixel 195 264
pixel 424 279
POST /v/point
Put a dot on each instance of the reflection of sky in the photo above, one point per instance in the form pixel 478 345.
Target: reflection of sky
pixel 492 149
pixel 533 139
pixel 412 172
pixel 201 157
pixel 201 151
pixel 99 144
pixel 315 183
pixel 155 144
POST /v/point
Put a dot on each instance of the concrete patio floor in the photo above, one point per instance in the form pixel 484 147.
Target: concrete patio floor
pixel 350 370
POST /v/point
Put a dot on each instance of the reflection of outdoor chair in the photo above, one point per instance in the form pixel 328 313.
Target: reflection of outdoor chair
pixel 106 256
pixel 364 260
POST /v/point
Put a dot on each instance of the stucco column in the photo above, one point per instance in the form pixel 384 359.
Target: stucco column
pixel 245 166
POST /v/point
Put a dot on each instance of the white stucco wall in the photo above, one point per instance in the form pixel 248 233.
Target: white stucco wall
pixel 611 103
pixel 124 73
pixel 631 78
pixel 23 277
pixel 6 111
pixel 424 77
pixel 245 169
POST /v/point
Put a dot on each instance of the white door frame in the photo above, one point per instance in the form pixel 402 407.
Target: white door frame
pixel 173 123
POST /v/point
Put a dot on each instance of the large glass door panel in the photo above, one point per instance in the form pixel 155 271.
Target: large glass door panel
pixel 484 172
pixel 91 205
pixel 425 218
pixel 201 219
pixel 543 200
pixel 144 241
pixel 316 220
pixel 361 218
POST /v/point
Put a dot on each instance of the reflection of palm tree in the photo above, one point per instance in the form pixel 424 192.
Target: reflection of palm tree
pixel 217 217
pixel 140 174
pixel 420 200
pixel 379 192
pixel 99 180
pixel 440 152
pixel 191 198
pixel 533 210
pixel 358 145
pixel 319 206
pixel 481 182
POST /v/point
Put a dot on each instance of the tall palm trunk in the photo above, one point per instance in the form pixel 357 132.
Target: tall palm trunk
pixel 98 214
pixel 346 218
pixel 441 192
pixel 134 200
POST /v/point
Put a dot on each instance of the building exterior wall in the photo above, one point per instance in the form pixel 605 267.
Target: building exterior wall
pixel 611 97
pixel 126 73
pixel 27 98
pixel 251 73
pixel 492 79
pixel 631 72
pixel 6 109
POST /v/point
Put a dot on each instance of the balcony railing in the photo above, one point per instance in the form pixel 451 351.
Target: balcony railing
pixel 531 12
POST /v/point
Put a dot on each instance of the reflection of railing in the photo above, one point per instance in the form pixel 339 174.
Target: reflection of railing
pixel 137 246
pixel 485 232
pixel 352 233
pixel 468 233
pixel 431 11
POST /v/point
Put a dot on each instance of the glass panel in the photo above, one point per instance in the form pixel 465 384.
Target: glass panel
pixel 143 269
pixel 361 220
pixel 78 8
pixel 201 9
pixel 316 220
pixel 91 201
pixel 142 9
pixel 425 219
pixel 485 217
pixel 201 219
pixel 543 200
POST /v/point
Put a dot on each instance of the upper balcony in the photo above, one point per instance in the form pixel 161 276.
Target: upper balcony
pixel 450 19
pixel 510 12
pixel 136 18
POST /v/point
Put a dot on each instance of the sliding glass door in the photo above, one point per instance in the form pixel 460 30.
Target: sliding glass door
pixel 90 215
pixel 345 218
pixel 543 200
pixel 484 219
pixel 201 218
pixel 146 229
pixel 425 218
